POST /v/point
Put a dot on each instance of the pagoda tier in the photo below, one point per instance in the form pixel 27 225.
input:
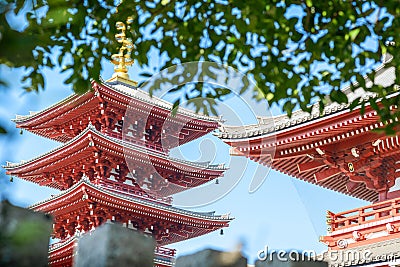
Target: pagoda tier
pixel 85 206
pixel 60 254
pixel 337 149
pixel 150 121
pixel 107 161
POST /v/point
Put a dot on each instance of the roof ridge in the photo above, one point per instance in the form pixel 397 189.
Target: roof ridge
pixel 36 113
pixel 91 128
pixel 282 121
pixel 10 164
pixel 183 111
pixel 111 85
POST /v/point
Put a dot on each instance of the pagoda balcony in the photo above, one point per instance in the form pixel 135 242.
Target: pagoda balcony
pixel 133 192
pixel 134 140
pixel 362 226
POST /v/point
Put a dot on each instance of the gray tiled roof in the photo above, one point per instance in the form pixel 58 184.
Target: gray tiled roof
pixel 270 125
pixel 124 144
pixel 149 203
pixel 129 91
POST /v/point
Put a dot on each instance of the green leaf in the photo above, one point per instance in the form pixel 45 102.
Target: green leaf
pixel 2 130
pixel 355 103
pixel 283 53
pixel 338 96
pixel 175 107
pixel 288 107
pixel 146 74
pixel 353 34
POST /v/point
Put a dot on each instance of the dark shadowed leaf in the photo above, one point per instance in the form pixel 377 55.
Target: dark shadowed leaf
pixel 2 130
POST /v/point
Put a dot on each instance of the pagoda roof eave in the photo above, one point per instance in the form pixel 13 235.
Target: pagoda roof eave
pixel 119 88
pixel 237 134
pixel 67 243
pixel 60 254
pixel 33 115
pixel 301 156
pixel 233 134
pixel 362 193
pixel 84 184
pixel 92 129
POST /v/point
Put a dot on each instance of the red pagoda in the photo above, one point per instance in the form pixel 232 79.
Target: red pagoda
pixel 113 169
pixel 338 150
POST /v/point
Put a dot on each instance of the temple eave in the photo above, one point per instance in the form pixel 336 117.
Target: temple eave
pixel 85 206
pixel 64 120
pixel 343 153
pixel 82 151
pixel 85 190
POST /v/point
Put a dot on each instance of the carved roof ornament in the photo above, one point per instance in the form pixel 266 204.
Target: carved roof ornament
pixel 123 59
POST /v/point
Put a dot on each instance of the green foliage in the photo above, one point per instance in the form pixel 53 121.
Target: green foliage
pixel 28 232
pixel 71 35
pixel 298 52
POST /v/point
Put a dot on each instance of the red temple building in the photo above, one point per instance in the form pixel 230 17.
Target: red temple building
pixel 113 169
pixel 338 150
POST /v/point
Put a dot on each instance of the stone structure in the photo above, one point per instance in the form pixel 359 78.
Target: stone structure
pixel 212 258
pixel 111 245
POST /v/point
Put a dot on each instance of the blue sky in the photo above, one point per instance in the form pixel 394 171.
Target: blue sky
pixel 283 213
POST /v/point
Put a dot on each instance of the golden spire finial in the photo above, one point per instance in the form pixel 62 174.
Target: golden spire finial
pixel 123 58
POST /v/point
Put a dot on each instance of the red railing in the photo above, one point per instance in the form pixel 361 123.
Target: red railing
pixel 133 192
pixel 166 254
pixel 367 214
pixel 135 141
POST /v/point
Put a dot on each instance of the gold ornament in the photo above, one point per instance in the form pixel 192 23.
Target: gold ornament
pixel 123 58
